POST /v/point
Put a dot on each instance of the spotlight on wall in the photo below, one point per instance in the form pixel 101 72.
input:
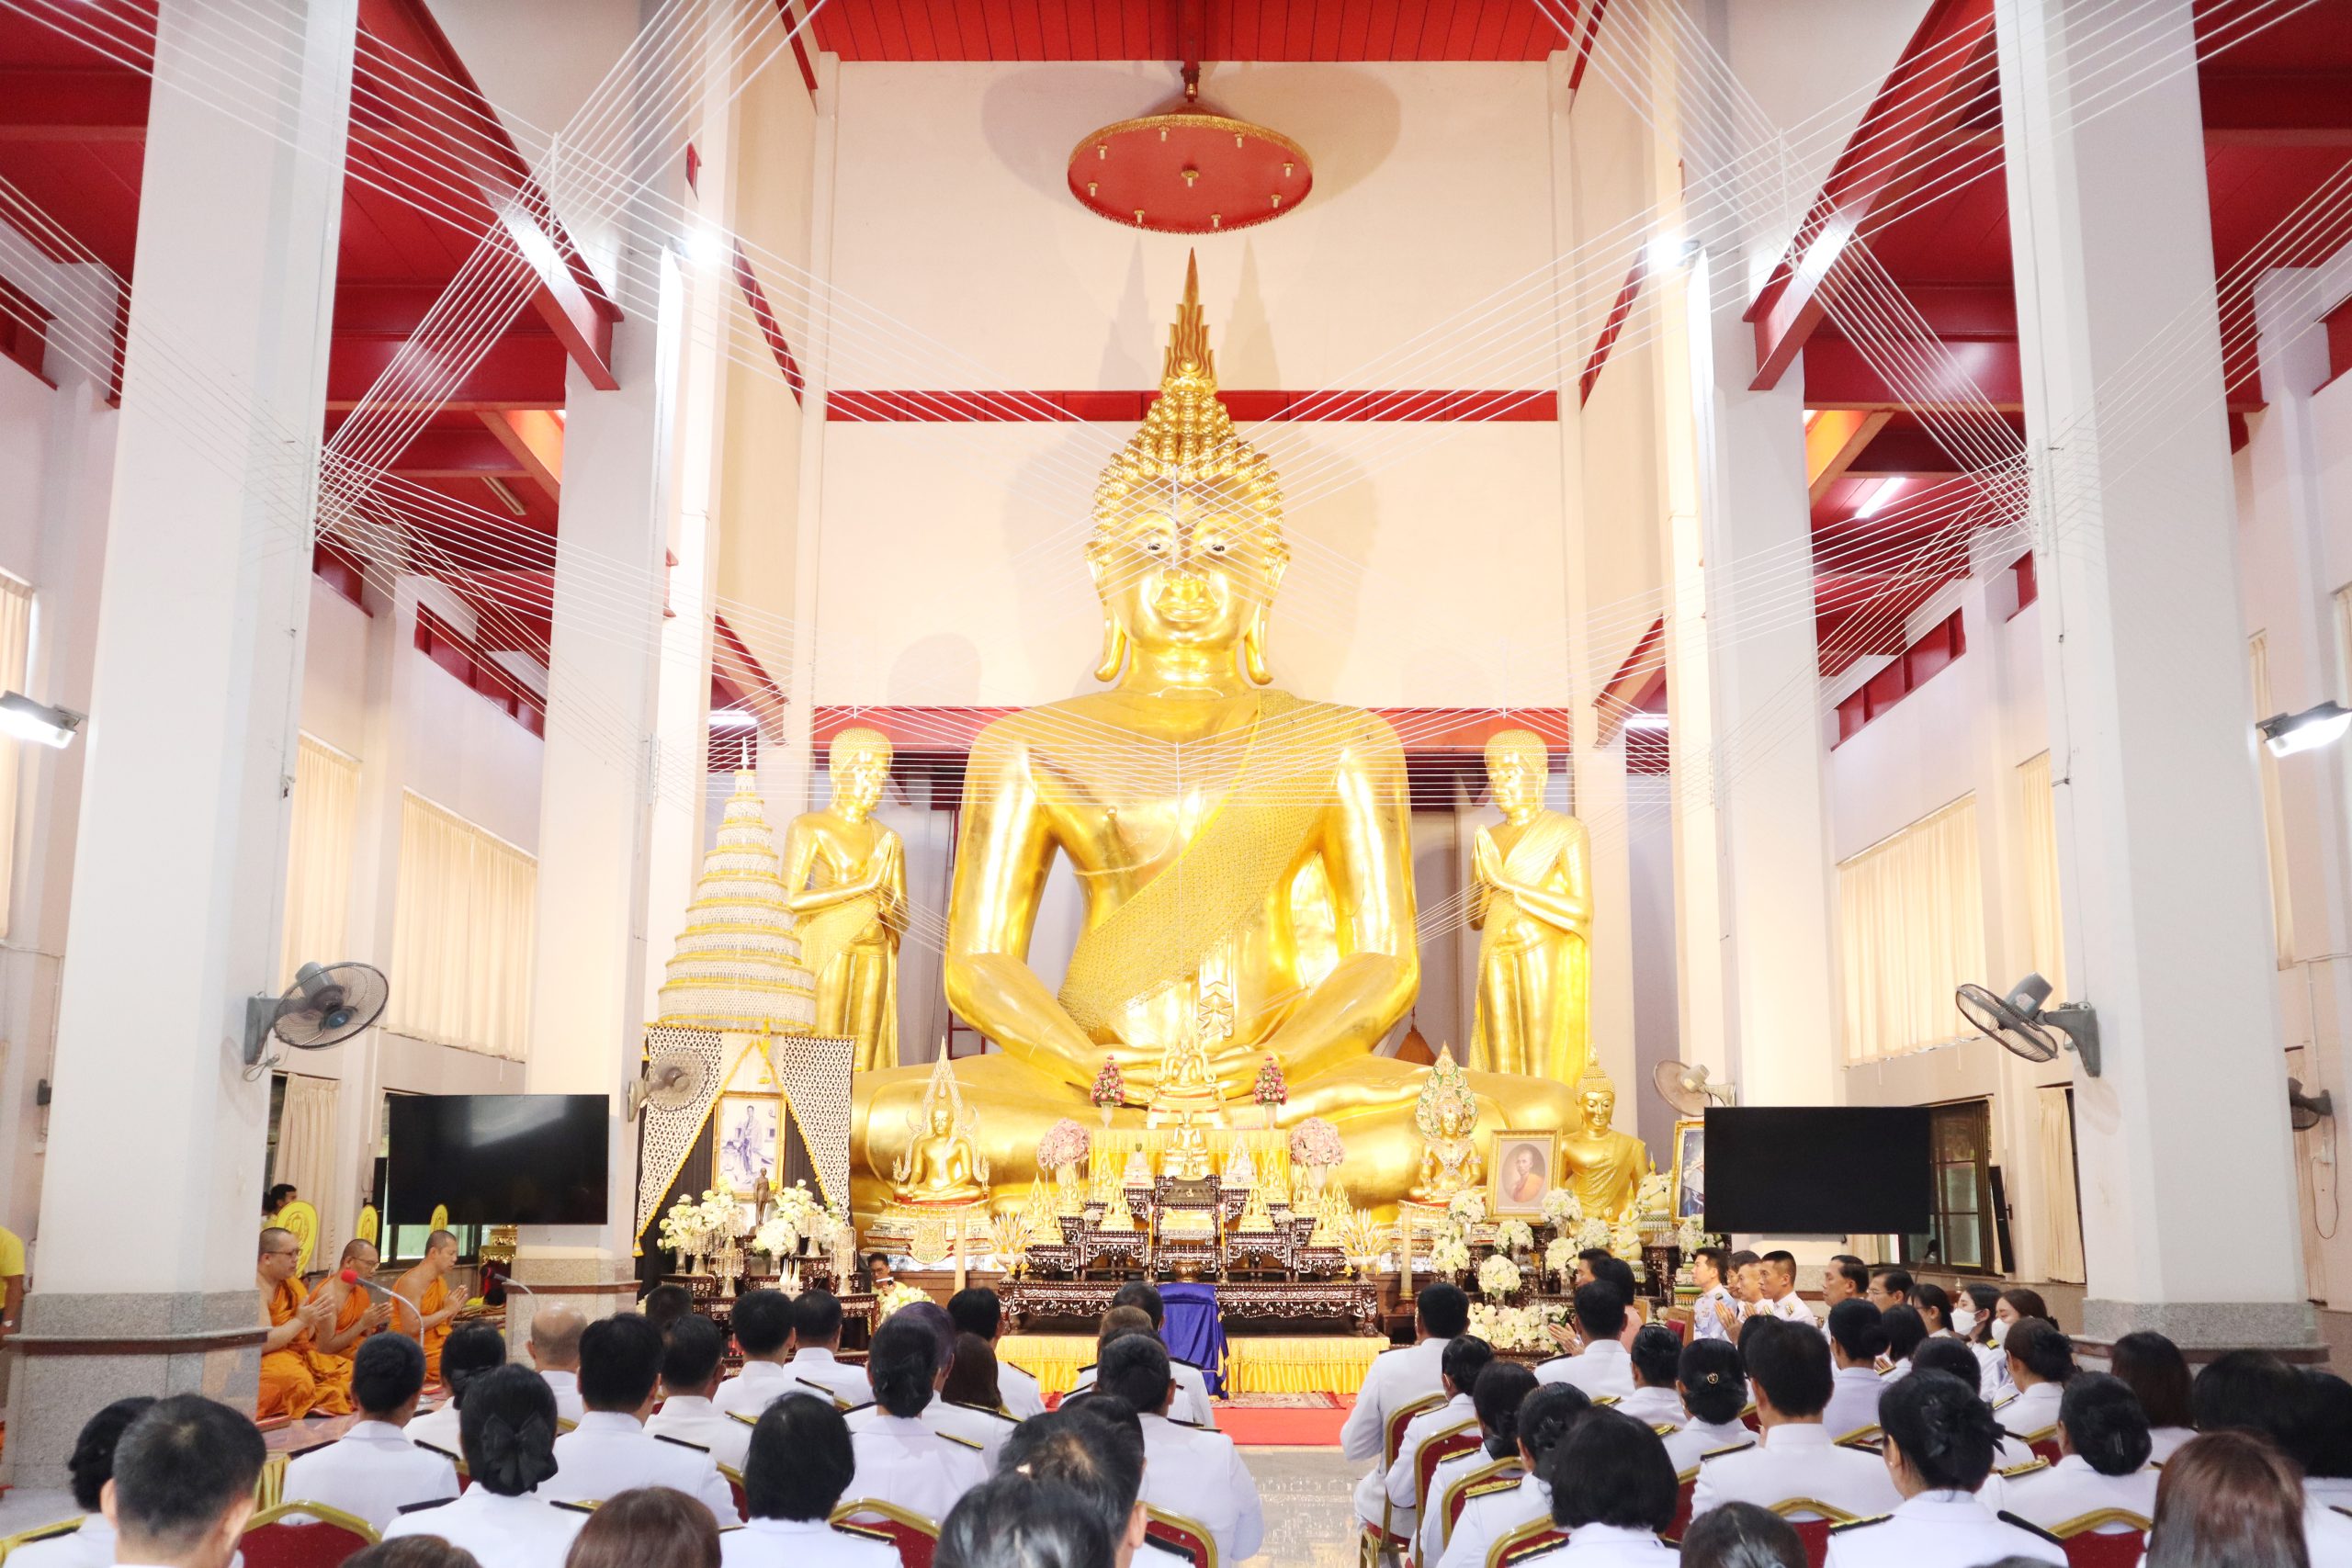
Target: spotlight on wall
pixel 1667 249
pixel 2287 733
pixel 29 720
pixel 703 246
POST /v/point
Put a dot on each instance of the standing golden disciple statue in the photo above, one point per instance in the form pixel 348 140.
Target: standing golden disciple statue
pixel 1532 903
pixel 1227 837
pixel 1605 1167
pixel 848 878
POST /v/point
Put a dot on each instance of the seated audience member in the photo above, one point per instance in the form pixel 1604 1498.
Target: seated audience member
pixel 647 1524
pixel 1193 1389
pixel 90 1542
pixel 1604 1367
pixel 1905 1331
pixel 2229 1499
pixel 2159 1374
pixel 1973 1321
pixel 1466 1357
pixel 1780 1298
pixel 2255 1391
pixel 972 1379
pixel 2323 1446
pixel 1186 1471
pixel 1716 1314
pixel 2042 1358
pixel 665 1305
pixel 1939 1449
pixel 1019 1522
pixel 982 1427
pixel 1600 1263
pixel 816 1343
pixel 690 1367
pixel 1951 1357
pixel 2103 1464
pixel 980 1311
pixel 1713 1385
pixel 374 1471
pixel 554 1351
pixel 610 1450
pixel 1612 1491
pixel 1653 1357
pixel 761 1322
pixel 1845 1280
pixel 1396 1379
pixel 506 1428
pixel 2014 1306
pixel 1495 1397
pixel 900 1459
pixel 1933 1303
pixel 183 1483
pixel 1496 1510
pixel 470 1352
pixel 412 1551
pixel 1746 1283
pixel 1890 1287
pixel 799 1465
pixel 1096 1450
pixel 1788 1369
pixel 1857 1339
pixel 1741 1535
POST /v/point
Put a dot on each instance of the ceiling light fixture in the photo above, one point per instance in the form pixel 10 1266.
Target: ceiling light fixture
pixel 29 720
pixel 1876 501
pixel 732 718
pixel 1667 249
pixel 2287 733
pixel 1645 721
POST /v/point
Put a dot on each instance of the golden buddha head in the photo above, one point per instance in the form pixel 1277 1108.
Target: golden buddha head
pixel 1517 770
pixel 1599 1098
pixel 859 764
pixel 1187 550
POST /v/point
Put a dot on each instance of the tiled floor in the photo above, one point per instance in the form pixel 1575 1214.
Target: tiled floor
pixel 1310 1516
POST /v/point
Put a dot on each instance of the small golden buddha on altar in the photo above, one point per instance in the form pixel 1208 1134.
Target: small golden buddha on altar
pixel 1446 1115
pixel 1605 1167
pixel 942 1162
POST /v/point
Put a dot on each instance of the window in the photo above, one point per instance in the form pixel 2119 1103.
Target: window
pixel 322 838
pixel 1910 930
pixel 461 934
pixel 2045 928
pixel 1961 1229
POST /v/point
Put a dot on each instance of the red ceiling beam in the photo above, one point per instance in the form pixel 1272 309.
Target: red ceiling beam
pixel 1837 376
pixel 2277 108
pixel 38 104
pixel 1246 405
pixel 521 371
pixel 474 454
pixel 1833 440
pixel 534 438
pixel 1903 454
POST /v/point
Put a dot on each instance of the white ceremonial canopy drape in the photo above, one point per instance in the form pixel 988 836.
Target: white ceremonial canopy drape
pixel 321 841
pixel 1911 929
pixel 306 1156
pixel 2060 1229
pixel 2045 925
pixel 15 652
pixel 461 934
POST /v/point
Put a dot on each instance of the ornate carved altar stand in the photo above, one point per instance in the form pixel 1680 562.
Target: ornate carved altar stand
pixel 1354 1303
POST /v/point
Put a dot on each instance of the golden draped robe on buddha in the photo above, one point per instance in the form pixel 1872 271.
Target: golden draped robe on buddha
pixel 1534 976
pixel 835 939
pixel 296 1381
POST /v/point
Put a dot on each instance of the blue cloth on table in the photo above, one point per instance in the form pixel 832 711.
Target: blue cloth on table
pixel 1195 1331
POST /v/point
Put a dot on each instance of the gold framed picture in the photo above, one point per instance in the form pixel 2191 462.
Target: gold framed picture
pixel 1518 1171
pixel 1691 1169
pixel 744 1130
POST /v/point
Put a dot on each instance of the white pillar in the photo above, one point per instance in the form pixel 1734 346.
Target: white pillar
pixel 179 872
pixel 2185 1150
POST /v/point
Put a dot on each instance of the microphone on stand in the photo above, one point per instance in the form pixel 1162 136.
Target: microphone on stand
pixel 351 1277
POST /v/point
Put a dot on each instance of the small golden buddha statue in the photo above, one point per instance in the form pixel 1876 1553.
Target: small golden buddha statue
pixel 1531 901
pixel 942 1162
pixel 848 876
pixel 1605 1166
pixel 1187 1157
pixel 1446 1115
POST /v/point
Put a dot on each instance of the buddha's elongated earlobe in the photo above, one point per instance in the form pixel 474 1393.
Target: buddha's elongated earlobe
pixel 1115 647
pixel 1253 649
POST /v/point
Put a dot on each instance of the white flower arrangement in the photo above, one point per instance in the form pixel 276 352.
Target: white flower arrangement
pixel 895 1294
pixel 1690 1236
pixel 1513 1235
pixel 722 1215
pixel 1466 1207
pixel 1449 1255
pixel 777 1236
pixel 1592 1233
pixel 1559 1255
pixel 1509 1328
pixel 683 1228
pixel 1498 1276
pixel 1561 1209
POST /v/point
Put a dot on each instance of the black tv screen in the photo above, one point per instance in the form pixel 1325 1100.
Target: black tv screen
pixel 1819 1171
pixel 500 1159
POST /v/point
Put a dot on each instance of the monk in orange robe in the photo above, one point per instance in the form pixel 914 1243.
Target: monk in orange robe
pixel 357 1315
pixel 427 1288
pixel 290 1383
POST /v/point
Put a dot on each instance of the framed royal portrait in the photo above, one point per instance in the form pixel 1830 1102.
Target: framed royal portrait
pixel 1690 1168
pixel 744 1135
pixel 1520 1172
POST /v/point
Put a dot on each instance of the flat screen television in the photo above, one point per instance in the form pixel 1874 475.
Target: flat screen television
pixel 500 1159
pixel 1819 1171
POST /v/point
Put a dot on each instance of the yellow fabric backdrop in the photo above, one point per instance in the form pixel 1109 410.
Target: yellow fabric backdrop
pixel 1253 1363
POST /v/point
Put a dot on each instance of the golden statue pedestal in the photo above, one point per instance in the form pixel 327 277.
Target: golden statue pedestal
pixel 935 1233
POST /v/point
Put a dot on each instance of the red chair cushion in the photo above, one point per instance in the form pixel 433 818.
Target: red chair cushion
pixel 1532 1545
pixel 313 1543
pixel 2115 1548
pixel 1682 1495
pixel 1815 1535
pixel 914 1547
pixel 1183 1540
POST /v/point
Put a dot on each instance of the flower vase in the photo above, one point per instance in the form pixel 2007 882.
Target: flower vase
pixel 1268 1107
pixel 1105 1112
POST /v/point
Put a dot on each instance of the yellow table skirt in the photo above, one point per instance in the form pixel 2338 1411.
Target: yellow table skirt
pixel 1253 1363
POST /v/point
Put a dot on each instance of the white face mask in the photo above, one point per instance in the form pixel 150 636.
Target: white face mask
pixel 1963 1321
pixel 2000 1330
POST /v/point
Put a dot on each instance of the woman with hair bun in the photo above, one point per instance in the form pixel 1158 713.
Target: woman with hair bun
pixel 1939 1442
pixel 507 1426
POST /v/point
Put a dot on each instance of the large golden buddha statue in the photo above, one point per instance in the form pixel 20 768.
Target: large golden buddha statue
pixel 1233 843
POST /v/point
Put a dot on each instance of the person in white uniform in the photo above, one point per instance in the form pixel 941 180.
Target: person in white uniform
pixel 799 1463
pixel 691 1364
pixel 182 1482
pixel 2103 1443
pixel 610 1451
pixel 1654 1358
pixel 901 1459
pixel 507 1430
pixel 1890 1287
pixel 1788 1370
pixel 1857 1340
pixel 1973 1320
pixel 2159 1374
pixel 89 1541
pixel 2012 1457
pixel 964 1406
pixel 471 1350
pixel 1613 1490
pixel 980 1311
pixel 1713 1386
pixel 1464 1357
pixel 1939 1449
pixel 1188 1471
pixel 2233 1497
pixel 1602 1369
pixel 1716 1314
pixel 2042 1358
pixel 1193 1388
pixel 2255 1391
pixel 1495 1398
pixel 761 1322
pixel 1905 1331
pixel 1846 1279
pixel 2324 1444
pixel 1094 1448
pixel 1782 1299
pixel 1501 1508
pixel 1396 1379
pixel 554 1351
pixel 374 1471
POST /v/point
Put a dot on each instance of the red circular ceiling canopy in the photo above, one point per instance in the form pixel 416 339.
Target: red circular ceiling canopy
pixel 1188 172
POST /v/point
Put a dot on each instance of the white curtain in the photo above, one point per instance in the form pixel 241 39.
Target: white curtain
pixel 2045 926
pixel 322 841
pixel 306 1159
pixel 461 934
pixel 1911 928
pixel 2060 1229
pixel 15 652
pixel 2274 810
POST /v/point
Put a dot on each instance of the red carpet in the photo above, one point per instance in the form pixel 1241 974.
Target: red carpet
pixel 1285 1425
